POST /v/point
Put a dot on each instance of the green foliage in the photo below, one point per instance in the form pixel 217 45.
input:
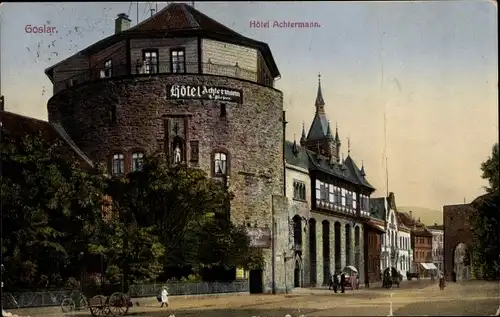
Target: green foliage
pixel 162 216
pixel 485 224
pixel 490 170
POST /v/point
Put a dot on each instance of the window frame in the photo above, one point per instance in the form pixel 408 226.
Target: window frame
pixel 133 159
pixel 107 70
pixel 115 157
pixel 183 62
pixel 227 154
pixel 148 66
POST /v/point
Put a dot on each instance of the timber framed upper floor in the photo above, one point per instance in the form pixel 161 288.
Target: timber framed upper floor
pixel 178 39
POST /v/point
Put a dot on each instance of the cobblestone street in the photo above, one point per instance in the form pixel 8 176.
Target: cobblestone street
pixel 415 298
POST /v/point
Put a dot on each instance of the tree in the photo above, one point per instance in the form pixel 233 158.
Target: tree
pixel 50 207
pixel 490 171
pixel 485 223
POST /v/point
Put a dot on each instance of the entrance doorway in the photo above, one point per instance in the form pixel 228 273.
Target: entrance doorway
pixel 256 282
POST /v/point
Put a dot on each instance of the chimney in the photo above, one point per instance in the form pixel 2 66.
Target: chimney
pixel 122 23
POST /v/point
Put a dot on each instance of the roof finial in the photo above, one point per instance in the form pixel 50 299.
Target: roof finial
pixel 303 136
pixel 329 132
pixel 337 133
pixel 320 103
pixel 348 145
pixel 363 173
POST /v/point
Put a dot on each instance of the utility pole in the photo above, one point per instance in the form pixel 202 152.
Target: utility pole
pixel 137 7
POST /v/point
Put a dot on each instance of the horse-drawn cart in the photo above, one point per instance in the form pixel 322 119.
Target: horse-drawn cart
pixel 390 277
pixel 117 304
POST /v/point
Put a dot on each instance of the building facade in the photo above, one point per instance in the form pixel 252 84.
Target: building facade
pixel 329 204
pixel 374 230
pixel 183 84
pixel 437 245
pixel 422 250
pixel 405 254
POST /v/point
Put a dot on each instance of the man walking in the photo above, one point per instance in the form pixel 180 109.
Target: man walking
pixel 342 282
pixel 335 282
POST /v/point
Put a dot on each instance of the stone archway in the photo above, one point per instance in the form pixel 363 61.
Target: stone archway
pixel 348 260
pixel 462 262
pixel 326 251
pixel 312 251
pixel 337 247
pixel 456 230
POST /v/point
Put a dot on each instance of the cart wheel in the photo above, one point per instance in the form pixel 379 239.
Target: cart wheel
pixel 99 307
pixel 67 305
pixel 118 304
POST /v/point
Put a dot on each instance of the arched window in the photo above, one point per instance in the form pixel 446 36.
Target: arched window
pixel 118 164
pixel 137 160
pixel 220 164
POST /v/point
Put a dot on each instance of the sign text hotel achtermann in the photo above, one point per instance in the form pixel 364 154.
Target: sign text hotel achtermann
pixel 204 93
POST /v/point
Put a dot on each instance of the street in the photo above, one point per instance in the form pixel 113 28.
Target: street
pixel 414 298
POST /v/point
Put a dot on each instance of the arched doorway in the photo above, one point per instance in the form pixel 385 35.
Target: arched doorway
pixel 461 262
pixel 357 249
pixel 326 251
pixel 348 259
pixel 338 256
pixel 297 241
pixel 312 250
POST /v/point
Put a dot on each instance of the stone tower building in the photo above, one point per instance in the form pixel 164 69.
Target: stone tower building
pixel 182 83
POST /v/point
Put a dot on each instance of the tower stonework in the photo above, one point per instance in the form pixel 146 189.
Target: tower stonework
pixel 200 94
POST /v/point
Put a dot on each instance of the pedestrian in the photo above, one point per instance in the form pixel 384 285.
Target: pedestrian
pixel 454 276
pixel 164 296
pixel 342 282
pixel 441 281
pixel 367 282
pixel 335 282
pixel 330 282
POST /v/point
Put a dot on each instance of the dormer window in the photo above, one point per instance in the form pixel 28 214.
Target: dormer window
pixel 178 61
pixel 150 59
pixel 108 69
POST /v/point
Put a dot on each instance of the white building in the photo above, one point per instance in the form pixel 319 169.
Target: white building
pixel 437 245
pixel 405 255
pixel 396 243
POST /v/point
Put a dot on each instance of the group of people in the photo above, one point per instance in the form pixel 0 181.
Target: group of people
pixel 337 282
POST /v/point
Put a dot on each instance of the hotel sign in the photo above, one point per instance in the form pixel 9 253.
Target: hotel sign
pixel 259 237
pixel 202 92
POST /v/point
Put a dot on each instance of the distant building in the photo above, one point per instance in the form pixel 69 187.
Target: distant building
pixel 437 245
pixel 374 230
pixel 421 245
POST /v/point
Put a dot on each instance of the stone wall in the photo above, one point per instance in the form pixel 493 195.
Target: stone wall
pixel 456 230
pixel 252 132
pixel 222 53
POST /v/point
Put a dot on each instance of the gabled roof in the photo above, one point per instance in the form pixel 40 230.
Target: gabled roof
pixel 405 219
pixel 301 157
pixel 19 125
pixel 179 19
pixel 356 172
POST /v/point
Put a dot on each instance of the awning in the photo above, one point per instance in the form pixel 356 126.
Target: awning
pixel 429 266
pixel 375 226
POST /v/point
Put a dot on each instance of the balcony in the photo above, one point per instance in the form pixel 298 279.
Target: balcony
pixel 67 79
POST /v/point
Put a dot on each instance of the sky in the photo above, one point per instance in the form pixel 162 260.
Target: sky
pixel 416 82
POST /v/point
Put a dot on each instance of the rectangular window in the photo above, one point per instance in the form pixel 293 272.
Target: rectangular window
pixel 342 194
pixel 299 190
pixel 178 61
pixel 354 201
pixel 150 60
pixel 318 190
pixel 118 164
pixel 194 151
pixel 108 69
pixel 137 161
pixel 331 194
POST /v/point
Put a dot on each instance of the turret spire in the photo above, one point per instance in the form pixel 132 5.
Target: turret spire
pixel 348 145
pixel 320 103
pixel 329 135
pixel 337 133
pixel 363 169
pixel 303 136
pixel 295 149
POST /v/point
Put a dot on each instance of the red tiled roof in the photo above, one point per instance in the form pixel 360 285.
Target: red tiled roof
pixel 19 125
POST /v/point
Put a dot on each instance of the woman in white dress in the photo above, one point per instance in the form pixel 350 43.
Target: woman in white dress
pixel 164 296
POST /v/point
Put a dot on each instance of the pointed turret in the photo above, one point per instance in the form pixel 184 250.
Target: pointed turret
pixel 348 146
pixel 363 169
pixel 329 135
pixel 303 136
pixel 295 148
pixel 337 138
pixel 320 103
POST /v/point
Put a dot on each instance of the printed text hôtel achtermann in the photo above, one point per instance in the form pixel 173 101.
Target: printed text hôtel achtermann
pixel 266 24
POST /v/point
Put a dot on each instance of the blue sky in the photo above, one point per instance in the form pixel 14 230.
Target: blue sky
pixel 430 66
